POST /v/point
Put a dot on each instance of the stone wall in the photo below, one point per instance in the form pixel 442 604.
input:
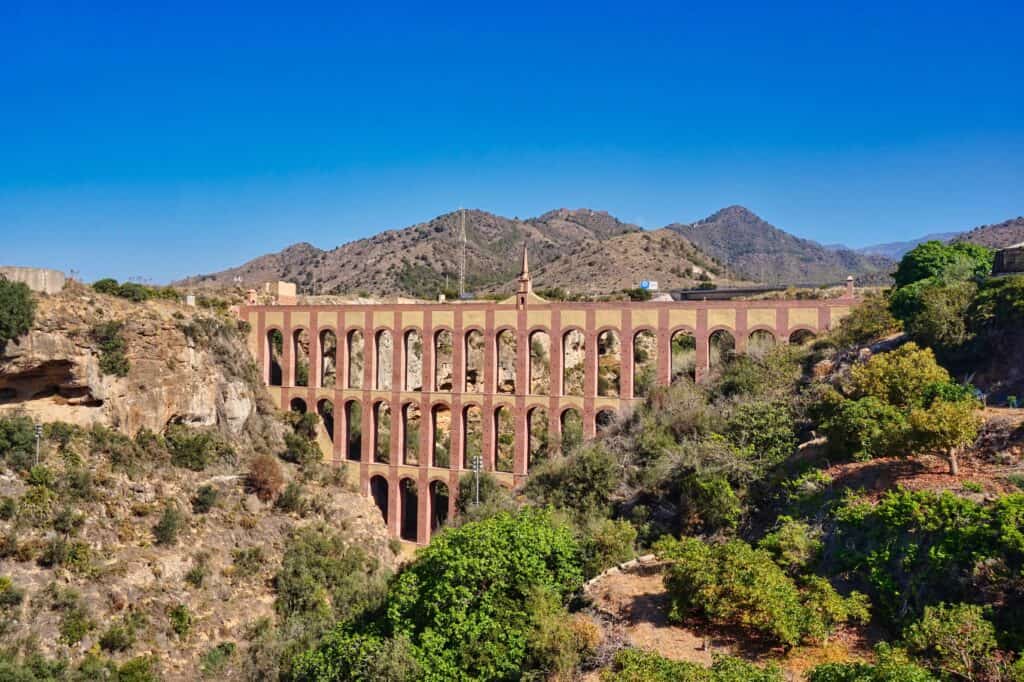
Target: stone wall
pixel 40 280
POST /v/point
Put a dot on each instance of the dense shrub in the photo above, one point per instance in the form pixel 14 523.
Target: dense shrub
pixel 494 498
pixel 866 428
pixel 112 346
pixel 735 584
pixel 934 259
pixel 17 435
pixel 635 665
pixel 196 449
pixel 301 450
pixel 582 483
pixel 180 619
pixel 265 477
pixel 204 500
pixel 17 310
pixel 292 500
pixel 870 321
pixel 892 665
pixel 605 543
pixel 166 529
pixel 955 639
pixel 134 291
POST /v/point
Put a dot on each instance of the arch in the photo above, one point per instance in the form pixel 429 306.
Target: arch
pixel 444 360
pixel 439 503
pixel 505 376
pixel 413 360
pixel 274 351
pixel 382 432
pixel 379 492
pixel 573 362
pixel 760 342
pixel 298 405
pixel 325 408
pixel 300 356
pixel 473 435
pixel 328 358
pixel 410 509
pixel 609 363
pixel 441 424
pixel 645 362
pixel 504 439
pixel 802 336
pixel 538 429
pixel 385 354
pixel 540 363
pixel 353 430
pixel 683 346
pixel 604 420
pixel 721 346
pixel 355 349
pixel 474 354
pixel 411 420
pixel 571 423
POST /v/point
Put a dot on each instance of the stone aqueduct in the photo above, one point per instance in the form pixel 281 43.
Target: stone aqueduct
pixel 409 394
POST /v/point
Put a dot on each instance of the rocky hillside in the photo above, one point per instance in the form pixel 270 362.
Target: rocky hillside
pixel 421 260
pixel 895 250
pixel 161 523
pixel 756 250
pixel 996 236
pixel 596 267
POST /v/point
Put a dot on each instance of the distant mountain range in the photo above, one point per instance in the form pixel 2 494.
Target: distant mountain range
pixel 582 251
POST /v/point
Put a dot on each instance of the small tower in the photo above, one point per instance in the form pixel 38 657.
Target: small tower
pixel 849 287
pixel 525 283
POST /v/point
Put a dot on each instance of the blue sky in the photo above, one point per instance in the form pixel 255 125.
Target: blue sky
pixel 165 142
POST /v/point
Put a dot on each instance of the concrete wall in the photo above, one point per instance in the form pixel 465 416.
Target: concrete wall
pixel 38 279
pixel 1009 260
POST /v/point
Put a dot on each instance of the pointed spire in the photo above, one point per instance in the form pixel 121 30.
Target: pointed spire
pixel 525 284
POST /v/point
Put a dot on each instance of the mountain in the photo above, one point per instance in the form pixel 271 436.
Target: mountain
pixel 423 259
pixel 751 248
pixel 996 236
pixel 896 250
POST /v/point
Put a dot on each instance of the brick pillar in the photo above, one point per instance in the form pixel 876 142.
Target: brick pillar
pixel 366 454
pixel 315 353
pixel 458 386
pixel 369 354
pixel 344 352
pixel 262 350
pixel 394 505
pixel 340 432
pixel 782 324
pixel 701 339
pixel 664 336
pixel 557 353
pixel 824 318
pixel 287 351
pixel 423 507
pixel 589 376
pixel 427 341
pixel 626 354
pixel 742 331
pixel 523 389
pixel 490 388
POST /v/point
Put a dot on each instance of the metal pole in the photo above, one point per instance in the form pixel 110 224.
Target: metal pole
pixel 39 433
pixel 477 462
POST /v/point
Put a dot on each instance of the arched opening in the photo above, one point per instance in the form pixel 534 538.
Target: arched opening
pixel 325 408
pixel 413 360
pixel 573 362
pixel 539 447
pixel 473 435
pixel 721 346
pixel 760 343
pixel 540 363
pixel 442 440
pixel 300 356
pixel 474 362
pixel 411 429
pixel 275 349
pixel 504 439
pixel 328 359
pixel 382 432
pixel 443 360
pixel 379 492
pixel 410 509
pixel 572 430
pixel 353 430
pixel 385 359
pixel 506 375
pixel 355 359
pixel 684 355
pixel 439 498
pixel 298 405
pixel 604 420
pixel 609 363
pixel 645 362
pixel 801 337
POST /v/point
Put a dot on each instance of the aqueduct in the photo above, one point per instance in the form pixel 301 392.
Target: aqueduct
pixel 410 393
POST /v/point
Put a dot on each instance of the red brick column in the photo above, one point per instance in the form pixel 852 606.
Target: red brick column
pixel 589 376
pixel 626 355
pixel 263 355
pixel 664 335
pixel 742 331
pixel 315 353
pixel 702 341
pixel 394 505
pixel 287 351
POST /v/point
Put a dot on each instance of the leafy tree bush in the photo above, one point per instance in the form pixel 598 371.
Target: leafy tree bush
pixel 17 311
pixel 605 543
pixel 900 377
pixel 195 449
pixel 934 259
pixel 301 451
pixel 216 658
pixel 892 665
pixel 735 584
pixel 166 529
pixel 764 429
pixel 17 435
pixel 794 544
pixel 75 624
pixel 866 428
pixel 204 500
pixel 946 428
pixel 954 639
pixel 582 483
pixel 868 322
pixel 292 500
pixel 934 312
pixel 181 620
pixel 494 498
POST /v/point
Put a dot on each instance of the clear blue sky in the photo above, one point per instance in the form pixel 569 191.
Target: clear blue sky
pixel 163 143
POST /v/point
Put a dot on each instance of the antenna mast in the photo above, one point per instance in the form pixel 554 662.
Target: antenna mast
pixel 462 259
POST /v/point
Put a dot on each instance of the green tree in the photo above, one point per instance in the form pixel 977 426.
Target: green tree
pixel 870 321
pixel 961 260
pixel 17 310
pixel 946 428
pixel 955 639
pixel 891 665
pixel 934 313
pixel 900 377
pixel 866 428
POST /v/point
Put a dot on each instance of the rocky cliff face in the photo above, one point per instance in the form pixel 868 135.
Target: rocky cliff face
pixel 185 367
